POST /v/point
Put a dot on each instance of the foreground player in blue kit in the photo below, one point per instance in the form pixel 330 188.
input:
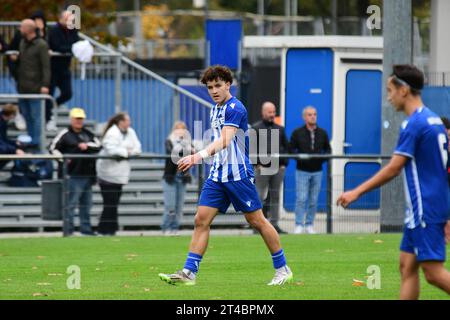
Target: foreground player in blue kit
pixel 231 180
pixel 422 154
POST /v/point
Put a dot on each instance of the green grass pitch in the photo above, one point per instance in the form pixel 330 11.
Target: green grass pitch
pixel 234 267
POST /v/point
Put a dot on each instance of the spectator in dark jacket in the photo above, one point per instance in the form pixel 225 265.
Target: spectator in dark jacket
pixel 178 144
pixel 33 76
pixel 60 40
pixel 309 139
pixel 7 113
pixel 268 183
pixel 82 175
pixel 41 30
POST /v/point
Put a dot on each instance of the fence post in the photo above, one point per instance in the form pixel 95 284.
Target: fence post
pixel 43 122
pixel 118 84
pixel 65 199
pixel 200 178
pixel 329 197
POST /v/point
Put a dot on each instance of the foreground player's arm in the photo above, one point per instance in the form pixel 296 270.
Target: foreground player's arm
pixel 390 171
pixel 226 136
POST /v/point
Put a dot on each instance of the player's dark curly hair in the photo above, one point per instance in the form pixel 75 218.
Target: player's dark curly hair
pixel 409 74
pixel 217 72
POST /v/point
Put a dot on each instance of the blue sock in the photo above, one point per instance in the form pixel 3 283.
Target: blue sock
pixel 279 260
pixel 193 262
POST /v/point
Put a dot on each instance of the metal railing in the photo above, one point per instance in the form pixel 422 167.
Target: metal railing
pixel 363 217
pixel 438 79
pixel 138 194
pixel 115 83
pixel 42 98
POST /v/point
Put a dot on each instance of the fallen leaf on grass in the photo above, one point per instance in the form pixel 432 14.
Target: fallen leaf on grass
pixel 299 283
pixel 378 241
pixel 358 283
pixel 146 289
pixel 34 268
pixel 126 286
pixel 40 257
pixel 39 294
pixel 132 255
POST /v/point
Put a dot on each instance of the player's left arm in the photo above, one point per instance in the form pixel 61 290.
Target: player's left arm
pixel 390 171
pixel 226 136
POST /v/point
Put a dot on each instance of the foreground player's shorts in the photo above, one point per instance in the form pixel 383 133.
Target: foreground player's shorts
pixel 242 194
pixel 428 244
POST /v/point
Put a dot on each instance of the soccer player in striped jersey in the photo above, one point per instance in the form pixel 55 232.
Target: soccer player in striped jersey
pixel 422 154
pixel 231 180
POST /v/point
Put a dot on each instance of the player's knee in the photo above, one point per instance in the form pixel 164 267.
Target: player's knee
pixel 431 276
pixel 406 271
pixel 201 221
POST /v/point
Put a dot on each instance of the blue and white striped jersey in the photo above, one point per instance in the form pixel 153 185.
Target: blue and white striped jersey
pixel 423 139
pixel 232 163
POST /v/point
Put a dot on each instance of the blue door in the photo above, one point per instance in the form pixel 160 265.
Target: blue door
pixel 309 81
pixel 363 131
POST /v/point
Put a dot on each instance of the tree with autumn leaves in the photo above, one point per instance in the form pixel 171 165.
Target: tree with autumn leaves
pixel 94 18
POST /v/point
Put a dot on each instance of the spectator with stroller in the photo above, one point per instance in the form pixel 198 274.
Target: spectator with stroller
pixel 121 141
pixel 178 144
pixel 78 140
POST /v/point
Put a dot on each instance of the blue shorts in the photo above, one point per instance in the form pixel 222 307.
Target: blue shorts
pixel 242 194
pixel 427 244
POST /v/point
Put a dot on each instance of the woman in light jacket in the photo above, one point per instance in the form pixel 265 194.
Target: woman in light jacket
pixel 120 140
pixel 178 143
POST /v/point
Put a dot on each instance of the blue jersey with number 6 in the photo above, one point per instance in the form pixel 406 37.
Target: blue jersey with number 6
pixel 423 139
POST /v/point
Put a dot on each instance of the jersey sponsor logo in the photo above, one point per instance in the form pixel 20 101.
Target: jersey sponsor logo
pixel 249 203
pixel 217 123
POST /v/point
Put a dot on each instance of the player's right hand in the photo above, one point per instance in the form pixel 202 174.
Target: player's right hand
pixel 347 198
